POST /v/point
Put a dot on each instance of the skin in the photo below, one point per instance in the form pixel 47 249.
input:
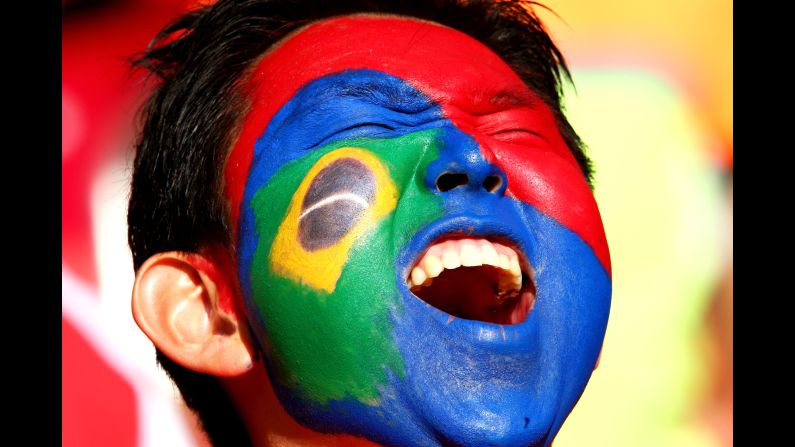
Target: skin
pixel 366 113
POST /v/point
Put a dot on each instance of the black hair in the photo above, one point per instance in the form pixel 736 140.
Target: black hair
pixel 190 121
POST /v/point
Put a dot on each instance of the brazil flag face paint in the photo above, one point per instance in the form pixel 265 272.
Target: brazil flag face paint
pixel 421 259
pixel 325 270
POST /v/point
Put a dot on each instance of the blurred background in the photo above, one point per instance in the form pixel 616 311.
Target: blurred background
pixel 652 100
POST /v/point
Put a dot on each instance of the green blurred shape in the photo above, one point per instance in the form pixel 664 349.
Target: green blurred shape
pixel 662 205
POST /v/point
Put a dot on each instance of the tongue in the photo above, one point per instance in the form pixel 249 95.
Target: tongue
pixel 470 293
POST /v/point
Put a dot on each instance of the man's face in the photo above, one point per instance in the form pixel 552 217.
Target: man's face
pixel 421 258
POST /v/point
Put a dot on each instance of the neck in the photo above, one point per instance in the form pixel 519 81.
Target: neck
pixel 267 421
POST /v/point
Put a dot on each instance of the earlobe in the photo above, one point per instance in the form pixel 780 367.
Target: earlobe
pixel 179 307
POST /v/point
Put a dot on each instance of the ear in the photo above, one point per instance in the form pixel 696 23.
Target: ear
pixel 176 303
pixel 598 359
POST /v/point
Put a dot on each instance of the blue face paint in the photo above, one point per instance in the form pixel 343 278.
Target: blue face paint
pixel 462 382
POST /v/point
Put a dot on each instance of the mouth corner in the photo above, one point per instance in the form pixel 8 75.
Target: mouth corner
pixel 479 278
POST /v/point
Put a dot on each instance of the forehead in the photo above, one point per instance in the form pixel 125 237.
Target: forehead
pixel 433 58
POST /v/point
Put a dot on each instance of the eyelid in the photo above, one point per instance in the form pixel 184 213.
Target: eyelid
pixel 360 125
pixel 372 124
pixel 514 130
pixel 508 123
pixel 520 136
pixel 515 137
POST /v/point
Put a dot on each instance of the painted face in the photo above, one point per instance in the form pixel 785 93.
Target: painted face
pixel 421 258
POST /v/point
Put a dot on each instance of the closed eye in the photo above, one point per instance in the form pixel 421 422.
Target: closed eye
pixel 356 130
pixel 516 136
pixel 367 125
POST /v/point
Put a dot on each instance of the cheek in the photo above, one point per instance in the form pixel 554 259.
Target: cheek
pixel 318 282
pixel 556 188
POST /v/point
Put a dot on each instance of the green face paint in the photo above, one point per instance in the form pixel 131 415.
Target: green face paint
pixel 336 342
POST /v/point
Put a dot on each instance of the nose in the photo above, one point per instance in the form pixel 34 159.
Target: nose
pixel 462 168
pixel 449 180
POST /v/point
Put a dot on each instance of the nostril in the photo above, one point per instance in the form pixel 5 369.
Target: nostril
pixel 450 180
pixel 492 183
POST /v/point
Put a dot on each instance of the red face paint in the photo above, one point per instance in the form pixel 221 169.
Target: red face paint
pixel 219 267
pixel 477 91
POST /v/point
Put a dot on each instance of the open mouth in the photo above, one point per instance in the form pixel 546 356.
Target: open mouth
pixel 475 279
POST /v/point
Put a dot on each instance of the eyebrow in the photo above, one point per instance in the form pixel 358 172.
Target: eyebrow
pixel 485 101
pixel 514 98
pixel 400 98
pixel 408 99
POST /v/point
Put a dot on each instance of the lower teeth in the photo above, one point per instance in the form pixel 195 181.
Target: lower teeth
pixel 505 295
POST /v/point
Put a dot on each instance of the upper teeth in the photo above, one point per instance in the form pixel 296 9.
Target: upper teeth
pixel 452 254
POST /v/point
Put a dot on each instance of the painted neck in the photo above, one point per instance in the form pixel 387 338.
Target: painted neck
pixel 268 423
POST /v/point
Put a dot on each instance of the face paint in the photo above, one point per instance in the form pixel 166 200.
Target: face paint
pixel 490 102
pixel 222 265
pixel 328 293
pixel 338 177
pixel 342 196
pixel 334 202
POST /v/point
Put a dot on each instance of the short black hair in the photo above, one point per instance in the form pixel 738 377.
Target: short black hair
pixel 189 123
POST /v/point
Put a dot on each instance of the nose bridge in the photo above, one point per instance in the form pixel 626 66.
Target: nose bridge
pixel 462 166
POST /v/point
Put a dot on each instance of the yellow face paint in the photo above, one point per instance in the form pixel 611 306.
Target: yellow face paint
pixel 321 268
